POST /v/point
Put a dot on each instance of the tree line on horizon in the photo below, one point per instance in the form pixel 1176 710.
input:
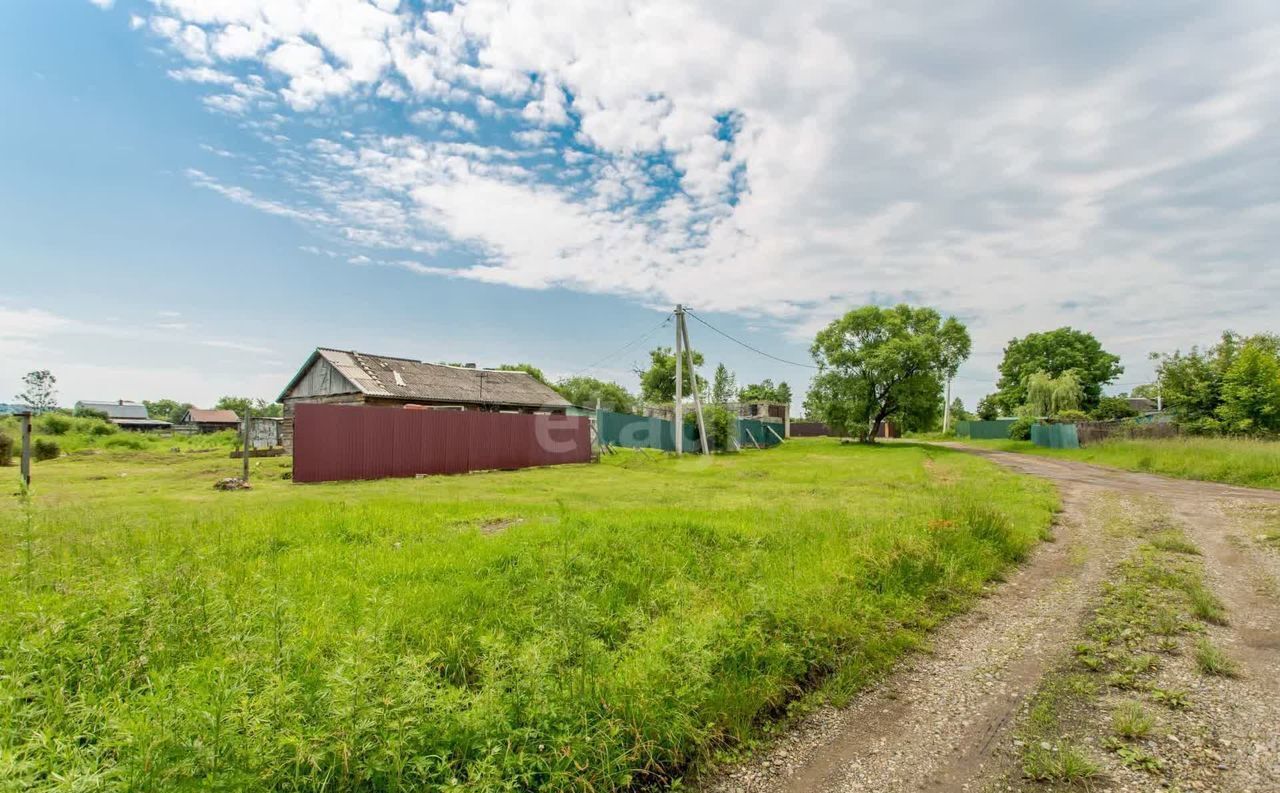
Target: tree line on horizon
pixel 877 364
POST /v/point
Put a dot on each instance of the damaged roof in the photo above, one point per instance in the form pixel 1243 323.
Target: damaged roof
pixel 404 378
pixel 202 416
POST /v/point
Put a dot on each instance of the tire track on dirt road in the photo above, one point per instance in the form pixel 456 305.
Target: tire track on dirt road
pixel 937 722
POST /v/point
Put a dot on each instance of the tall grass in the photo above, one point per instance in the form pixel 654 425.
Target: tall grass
pixel 584 627
pixel 76 434
pixel 1237 461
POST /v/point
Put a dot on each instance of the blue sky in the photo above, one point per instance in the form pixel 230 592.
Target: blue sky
pixel 197 192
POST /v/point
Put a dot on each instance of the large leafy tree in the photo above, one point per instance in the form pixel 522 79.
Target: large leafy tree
pixel 658 382
pixel 878 363
pixel 584 391
pixel 39 390
pixel 1251 391
pixel 1193 384
pixel 1049 396
pixel 1055 353
pixel 766 391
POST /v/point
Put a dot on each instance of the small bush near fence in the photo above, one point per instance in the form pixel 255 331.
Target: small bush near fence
pixel 1020 430
pixel 45 449
pixel 6 450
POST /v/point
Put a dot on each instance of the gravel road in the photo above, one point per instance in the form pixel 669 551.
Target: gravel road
pixel 943 720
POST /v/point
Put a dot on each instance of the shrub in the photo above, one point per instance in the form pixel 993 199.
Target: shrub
pixel 1111 408
pixel 90 413
pixel 125 441
pixel 102 428
pixel 1020 429
pixel 45 449
pixel 6 449
pixel 1071 416
pixel 54 424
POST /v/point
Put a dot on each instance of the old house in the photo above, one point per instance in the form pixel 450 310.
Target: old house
pixel 211 420
pixel 775 412
pixel 356 378
pixel 124 414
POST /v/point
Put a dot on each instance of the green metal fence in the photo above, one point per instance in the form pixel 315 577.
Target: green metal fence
pixel 642 432
pixel 649 432
pixel 1055 436
pixel 996 429
pixel 752 432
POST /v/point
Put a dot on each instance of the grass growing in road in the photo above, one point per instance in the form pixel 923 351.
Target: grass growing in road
pixel 581 627
pixel 1211 660
pixel 1155 599
pixel 1235 461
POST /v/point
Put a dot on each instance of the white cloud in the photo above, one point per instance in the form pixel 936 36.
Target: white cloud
pixel 1016 166
pixel 103 4
pixel 202 74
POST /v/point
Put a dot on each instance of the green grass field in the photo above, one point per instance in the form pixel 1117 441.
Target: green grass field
pixel 596 627
pixel 1235 461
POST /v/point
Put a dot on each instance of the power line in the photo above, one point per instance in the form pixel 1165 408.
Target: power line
pixel 665 321
pixel 748 346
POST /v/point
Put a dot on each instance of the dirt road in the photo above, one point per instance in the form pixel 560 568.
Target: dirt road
pixel 944 720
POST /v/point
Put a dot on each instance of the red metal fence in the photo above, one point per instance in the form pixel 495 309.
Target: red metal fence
pixel 809 429
pixel 340 442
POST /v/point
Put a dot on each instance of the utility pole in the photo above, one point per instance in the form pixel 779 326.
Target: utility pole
pixel 679 425
pixel 26 447
pixel 693 379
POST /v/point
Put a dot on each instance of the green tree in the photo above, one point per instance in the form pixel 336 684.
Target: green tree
pixel 1055 353
pixel 658 382
pixel 1251 391
pixel 766 391
pixel 529 368
pixel 989 408
pixel 722 386
pixel 1112 408
pixel 1192 383
pixel 879 363
pixel 169 410
pixel 584 391
pixel 958 413
pixel 257 407
pixel 39 390
pixel 1049 396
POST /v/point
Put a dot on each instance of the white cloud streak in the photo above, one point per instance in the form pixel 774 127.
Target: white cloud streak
pixel 1021 167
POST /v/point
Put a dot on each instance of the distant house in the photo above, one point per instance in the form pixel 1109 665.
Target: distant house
pixel 211 420
pixel 356 378
pixel 777 412
pixel 125 415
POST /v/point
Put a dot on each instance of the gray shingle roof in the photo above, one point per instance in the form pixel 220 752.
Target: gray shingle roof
pixel 118 409
pixel 403 378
